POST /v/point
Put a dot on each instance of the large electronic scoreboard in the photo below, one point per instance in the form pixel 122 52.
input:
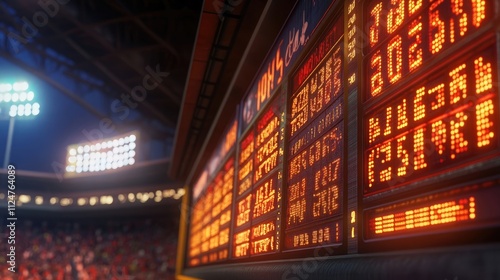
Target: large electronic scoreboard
pixel 371 126
pixel 430 113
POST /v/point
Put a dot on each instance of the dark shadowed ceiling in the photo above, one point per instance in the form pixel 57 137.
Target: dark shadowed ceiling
pixel 109 47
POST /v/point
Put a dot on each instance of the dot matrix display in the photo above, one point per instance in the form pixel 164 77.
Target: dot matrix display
pixel 405 34
pixel 211 218
pixel 430 108
pixel 428 98
pixel 469 205
pixel 259 183
pixel 315 152
pixel 435 124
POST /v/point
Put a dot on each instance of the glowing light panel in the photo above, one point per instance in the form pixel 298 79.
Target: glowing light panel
pixel 315 153
pixel 261 155
pixel 435 125
pixel 16 102
pixel 458 209
pixel 211 219
pixel 99 156
pixel 404 34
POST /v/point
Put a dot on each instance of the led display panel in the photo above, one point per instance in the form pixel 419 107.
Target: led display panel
pixel 405 35
pixel 430 112
pixel 211 211
pixel 443 121
pixel 315 147
pixel 466 207
pixel 211 219
pixel 259 180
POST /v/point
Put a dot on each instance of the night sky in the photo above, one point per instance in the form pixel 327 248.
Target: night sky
pixel 41 141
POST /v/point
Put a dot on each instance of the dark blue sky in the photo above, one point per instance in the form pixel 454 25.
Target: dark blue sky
pixel 39 142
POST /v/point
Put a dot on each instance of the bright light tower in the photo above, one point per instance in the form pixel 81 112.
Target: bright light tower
pixel 16 102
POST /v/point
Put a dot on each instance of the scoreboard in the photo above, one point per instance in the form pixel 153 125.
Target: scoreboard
pixel 369 122
pixel 211 214
pixel 430 110
pixel 315 147
pixel 258 204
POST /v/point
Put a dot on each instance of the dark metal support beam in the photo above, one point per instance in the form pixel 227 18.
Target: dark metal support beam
pixel 111 76
pixel 115 20
pixel 112 50
pixel 121 8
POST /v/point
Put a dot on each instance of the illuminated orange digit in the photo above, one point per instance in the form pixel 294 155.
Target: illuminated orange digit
pixel 413 6
pixel 376 79
pixel 314 82
pixel 388 121
pixel 484 124
pixel 457 142
pixel 402 119
pixel 395 59
pixel 373 130
pixel 478 12
pixel 415 49
pixel 337 70
pixel 418 104
pixel 386 174
pixel 375 25
pixel 371 168
pixel 457 7
pixel 396 15
pixel 314 153
pixel 438 96
pixel 437 28
pixel 483 76
pixel 458 84
pixel 402 155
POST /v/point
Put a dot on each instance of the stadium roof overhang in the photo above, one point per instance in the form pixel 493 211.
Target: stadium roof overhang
pixel 228 51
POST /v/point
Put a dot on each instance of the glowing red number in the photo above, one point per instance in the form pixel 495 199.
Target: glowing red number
pixel 437 33
pixel 418 147
pixel 376 78
pixel 402 155
pixel 375 26
pixel 374 129
pixel 413 6
pixel 478 12
pixel 457 142
pixel 483 123
pixel 396 15
pixel 458 84
pixel 386 174
pixel 395 59
pixel 415 49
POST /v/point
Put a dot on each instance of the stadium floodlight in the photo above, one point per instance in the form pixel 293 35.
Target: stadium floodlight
pixel 16 102
pixel 101 156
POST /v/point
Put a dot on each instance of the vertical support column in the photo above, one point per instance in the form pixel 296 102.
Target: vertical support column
pixel 182 251
pixel 9 143
pixel 352 59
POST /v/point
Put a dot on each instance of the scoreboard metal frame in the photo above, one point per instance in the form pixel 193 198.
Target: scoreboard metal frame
pixel 402 156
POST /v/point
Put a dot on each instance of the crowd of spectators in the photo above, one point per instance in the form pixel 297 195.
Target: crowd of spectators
pixel 75 250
